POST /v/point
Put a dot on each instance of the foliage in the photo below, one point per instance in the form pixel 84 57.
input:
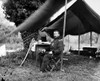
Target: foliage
pixel 18 10
pixel 86 38
pixel 76 68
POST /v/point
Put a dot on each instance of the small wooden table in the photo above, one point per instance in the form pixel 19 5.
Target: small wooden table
pixel 40 47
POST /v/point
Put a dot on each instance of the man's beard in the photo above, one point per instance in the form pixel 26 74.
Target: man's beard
pixel 56 36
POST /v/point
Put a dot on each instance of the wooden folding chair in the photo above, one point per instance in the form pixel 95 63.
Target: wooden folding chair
pixel 55 65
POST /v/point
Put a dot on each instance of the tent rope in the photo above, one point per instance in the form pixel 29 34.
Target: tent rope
pixel 26 53
pixel 64 27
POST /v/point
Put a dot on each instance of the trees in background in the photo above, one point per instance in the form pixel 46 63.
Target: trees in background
pixel 18 10
pixel 85 38
pixel 5 25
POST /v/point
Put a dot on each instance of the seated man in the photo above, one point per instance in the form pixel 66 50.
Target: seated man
pixel 56 51
pixel 42 39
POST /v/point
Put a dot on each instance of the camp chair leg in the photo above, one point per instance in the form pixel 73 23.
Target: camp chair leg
pixel 55 65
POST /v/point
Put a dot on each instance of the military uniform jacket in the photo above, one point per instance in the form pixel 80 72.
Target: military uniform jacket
pixel 57 46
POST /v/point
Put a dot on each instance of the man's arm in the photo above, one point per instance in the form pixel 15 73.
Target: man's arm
pixel 60 47
pixel 49 38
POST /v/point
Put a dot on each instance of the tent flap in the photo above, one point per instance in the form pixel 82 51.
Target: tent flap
pixel 80 19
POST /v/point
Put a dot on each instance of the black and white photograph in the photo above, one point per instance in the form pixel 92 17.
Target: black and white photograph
pixel 49 40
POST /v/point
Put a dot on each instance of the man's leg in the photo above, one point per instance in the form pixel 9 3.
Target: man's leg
pixel 45 63
pixel 40 58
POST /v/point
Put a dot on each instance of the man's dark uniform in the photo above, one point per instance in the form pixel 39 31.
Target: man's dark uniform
pixel 57 48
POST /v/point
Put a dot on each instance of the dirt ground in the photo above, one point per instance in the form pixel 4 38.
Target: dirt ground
pixel 76 68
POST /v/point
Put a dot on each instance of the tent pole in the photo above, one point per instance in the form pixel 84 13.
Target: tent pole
pixel 68 43
pixel 90 38
pixel 79 44
pixel 64 27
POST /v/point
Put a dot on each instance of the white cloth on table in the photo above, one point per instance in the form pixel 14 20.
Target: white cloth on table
pixel 34 45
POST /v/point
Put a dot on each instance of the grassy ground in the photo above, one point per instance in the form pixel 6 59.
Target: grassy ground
pixel 14 46
pixel 76 68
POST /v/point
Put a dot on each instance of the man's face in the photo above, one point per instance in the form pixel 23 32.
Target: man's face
pixel 56 34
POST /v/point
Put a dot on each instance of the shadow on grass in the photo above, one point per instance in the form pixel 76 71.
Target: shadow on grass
pixel 77 68
pixel 79 59
pixel 15 58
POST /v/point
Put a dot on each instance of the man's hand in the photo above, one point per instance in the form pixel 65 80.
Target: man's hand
pixel 45 28
pixel 43 50
pixel 50 52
